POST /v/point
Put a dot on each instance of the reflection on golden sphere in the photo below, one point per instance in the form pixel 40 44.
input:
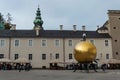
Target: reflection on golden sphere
pixel 85 52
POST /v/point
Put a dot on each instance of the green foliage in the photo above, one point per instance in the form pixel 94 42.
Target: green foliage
pixel 1 18
pixel 6 23
pixel 7 26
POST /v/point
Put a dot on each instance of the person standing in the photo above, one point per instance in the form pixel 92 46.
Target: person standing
pixel 104 67
pixel 21 67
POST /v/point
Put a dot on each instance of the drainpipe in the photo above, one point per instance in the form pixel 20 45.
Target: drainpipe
pixel 64 51
pixel 9 54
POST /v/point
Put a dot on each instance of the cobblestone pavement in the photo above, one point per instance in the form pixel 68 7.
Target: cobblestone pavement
pixel 59 75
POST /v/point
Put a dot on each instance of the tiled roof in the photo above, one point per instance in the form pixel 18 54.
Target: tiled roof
pixel 104 26
pixel 51 34
pixel 113 11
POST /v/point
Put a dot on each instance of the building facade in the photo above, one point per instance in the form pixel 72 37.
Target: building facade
pixel 41 46
pixel 112 25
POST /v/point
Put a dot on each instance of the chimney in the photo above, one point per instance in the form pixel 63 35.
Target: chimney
pixel 61 27
pixel 13 27
pixel 83 28
pixel 37 29
pixel 74 27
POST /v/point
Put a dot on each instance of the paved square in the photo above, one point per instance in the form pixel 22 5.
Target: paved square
pixel 59 75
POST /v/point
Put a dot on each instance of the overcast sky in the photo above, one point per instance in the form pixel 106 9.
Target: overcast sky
pixel 56 12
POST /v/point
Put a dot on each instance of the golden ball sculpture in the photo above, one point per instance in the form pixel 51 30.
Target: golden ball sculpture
pixel 85 52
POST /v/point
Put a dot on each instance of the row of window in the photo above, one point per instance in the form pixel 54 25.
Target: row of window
pixel 30 56
pixel 57 56
pixel 107 56
pixel 30 43
pixel 44 43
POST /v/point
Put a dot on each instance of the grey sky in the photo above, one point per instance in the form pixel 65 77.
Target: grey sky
pixel 55 12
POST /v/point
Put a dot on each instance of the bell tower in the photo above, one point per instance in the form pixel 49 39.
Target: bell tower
pixel 38 22
pixel 114 31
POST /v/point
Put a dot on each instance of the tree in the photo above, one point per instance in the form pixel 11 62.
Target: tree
pixel 7 23
pixel 1 18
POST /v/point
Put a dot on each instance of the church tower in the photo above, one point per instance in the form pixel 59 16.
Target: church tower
pixel 38 22
pixel 114 31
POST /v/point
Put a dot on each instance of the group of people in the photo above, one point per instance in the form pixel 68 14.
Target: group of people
pixel 25 67
pixel 15 66
pixel 5 66
pixel 89 66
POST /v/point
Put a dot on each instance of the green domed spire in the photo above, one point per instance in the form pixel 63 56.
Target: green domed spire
pixel 38 21
pixel 2 27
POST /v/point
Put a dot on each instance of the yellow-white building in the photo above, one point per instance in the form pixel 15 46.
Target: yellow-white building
pixel 41 46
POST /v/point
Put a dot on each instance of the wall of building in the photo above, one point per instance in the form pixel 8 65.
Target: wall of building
pixel 103 50
pixel 5 49
pixel 50 50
